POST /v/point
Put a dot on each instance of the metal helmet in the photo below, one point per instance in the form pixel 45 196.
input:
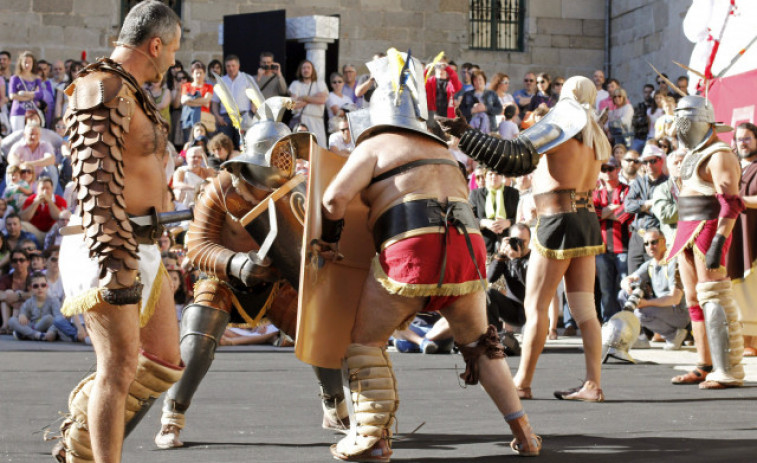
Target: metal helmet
pixel 399 101
pixel 619 334
pixel 695 121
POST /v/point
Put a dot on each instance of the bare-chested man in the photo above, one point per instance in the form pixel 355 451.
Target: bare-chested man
pixel 567 235
pixel 430 256
pixel 118 143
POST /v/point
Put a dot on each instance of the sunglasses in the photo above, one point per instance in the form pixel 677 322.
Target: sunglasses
pixel 557 84
pixel 744 140
pixel 541 81
pixel 651 242
pixel 25 171
pixel 18 260
pixel 528 80
pixel 39 285
pixel 53 259
pixel 635 161
pixel 606 169
pixel 617 96
pixel 649 162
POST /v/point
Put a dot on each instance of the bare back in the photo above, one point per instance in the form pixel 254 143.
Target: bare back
pixel 571 165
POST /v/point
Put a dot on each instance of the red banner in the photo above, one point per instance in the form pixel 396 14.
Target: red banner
pixel 735 100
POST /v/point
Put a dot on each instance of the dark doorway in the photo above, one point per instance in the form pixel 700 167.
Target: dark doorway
pixel 248 35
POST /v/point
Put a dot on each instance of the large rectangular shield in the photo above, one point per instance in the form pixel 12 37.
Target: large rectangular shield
pixel 329 294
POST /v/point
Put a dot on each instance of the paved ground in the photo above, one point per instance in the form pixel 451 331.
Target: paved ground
pixel 260 404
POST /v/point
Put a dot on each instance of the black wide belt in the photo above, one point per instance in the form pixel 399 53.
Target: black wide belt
pixel 421 213
pixel 692 208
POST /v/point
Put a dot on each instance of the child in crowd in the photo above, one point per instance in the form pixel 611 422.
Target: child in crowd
pixel 36 261
pixel 17 189
pixel 35 319
pixel 508 129
pixel 178 287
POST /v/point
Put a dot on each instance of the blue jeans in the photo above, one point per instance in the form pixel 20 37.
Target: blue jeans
pixel 66 329
pixel 611 268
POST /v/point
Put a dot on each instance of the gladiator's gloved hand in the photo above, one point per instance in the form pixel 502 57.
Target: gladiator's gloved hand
pixel 455 127
pixel 714 254
pixel 250 270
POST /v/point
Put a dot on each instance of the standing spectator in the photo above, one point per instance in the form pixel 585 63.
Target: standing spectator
pixel 34 152
pixel 523 96
pixel 599 82
pixel 47 104
pixel 196 97
pixel 508 129
pixel 544 94
pixel 630 167
pixel 665 197
pixel 337 103
pixel 639 203
pixel 608 103
pixel 641 119
pixel 176 135
pixel 25 89
pixel 612 265
pixel 59 77
pixel 42 209
pixel 467 74
pixel 350 84
pixel 664 126
pixel 214 67
pixel 161 96
pixel 5 76
pixel 309 95
pixel 526 207
pixel 495 206
pixel 682 83
pixel 340 141
pixel 480 106
pixel 654 112
pixel 270 79
pixel 500 85
pixel 35 319
pixel 53 237
pixel 221 149
pixel 17 189
pixel 742 255
pixel 618 152
pixel 238 82
pixel 441 88
pixel 61 101
pixel 620 118
pixel 13 287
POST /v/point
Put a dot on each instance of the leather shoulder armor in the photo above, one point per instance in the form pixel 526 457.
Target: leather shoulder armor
pixel 93 89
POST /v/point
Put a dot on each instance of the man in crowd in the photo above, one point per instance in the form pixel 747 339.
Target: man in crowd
pixel 35 319
pixel 507 277
pixel 494 206
pixel 237 81
pixel 523 96
pixel 599 82
pixel 440 90
pixel 612 265
pixel 639 203
pixel 742 256
pixel 42 209
pixel 5 75
pixel 340 141
pixel 378 170
pixel 270 79
pixel 659 302
pixel 640 121
pixel 567 234
pixel 630 164
pixel 15 234
pixel 137 346
pixel 350 84
pixel 707 209
pixel 665 197
pixel 34 152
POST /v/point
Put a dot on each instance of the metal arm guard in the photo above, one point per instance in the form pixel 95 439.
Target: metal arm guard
pixel 102 102
pixel 721 321
pixel 507 157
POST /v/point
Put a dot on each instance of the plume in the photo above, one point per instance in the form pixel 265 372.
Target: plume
pixel 227 99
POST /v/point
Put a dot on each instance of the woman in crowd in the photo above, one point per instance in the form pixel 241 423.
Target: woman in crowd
pixel 196 96
pixel 5 252
pixel 198 136
pixel 620 118
pixel 664 126
pixel 216 67
pixel 13 287
pixel 61 100
pixel 161 96
pixel 175 81
pixel 654 112
pixel 480 106
pixel 47 105
pixel 544 93
pixel 336 100
pixel 221 150
pixel 309 95
pixel 25 89
pixel 500 85
pixel 178 286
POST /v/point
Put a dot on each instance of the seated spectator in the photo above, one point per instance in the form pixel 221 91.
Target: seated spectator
pixel 221 149
pixel 265 333
pixel 36 153
pixel 654 292
pixel 508 129
pixel 13 290
pixel 29 176
pixel 42 209
pixel 52 272
pixel 427 333
pixel 506 275
pixel 53 237
pixel 526 212
pixel 35 318
pixel 36 261
pixel 17 189
pixel 5 254
pixel 14 233
pixel 178 286
pixel 340 142
pixel 494 206
pixel 4 210
pixel 29 245
pixel 199 137
pixel 665 125
pixel 187 179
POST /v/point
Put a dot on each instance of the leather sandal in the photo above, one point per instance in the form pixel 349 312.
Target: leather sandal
pixel 581 394
pixel 524 393
pixel 380 452
pixel 695 376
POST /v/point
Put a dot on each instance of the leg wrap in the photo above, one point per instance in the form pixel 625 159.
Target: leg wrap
pixel 373 390
pixel 153 378
pixel 201 330
pixel 488 344
pixel 581 306
pixel 75 430
pixel 696 314
pixel 723 331
pixel 335 412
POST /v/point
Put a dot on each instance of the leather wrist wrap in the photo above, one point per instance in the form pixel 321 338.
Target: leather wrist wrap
pixel 331 230
pixel 123 296
pixel 507 157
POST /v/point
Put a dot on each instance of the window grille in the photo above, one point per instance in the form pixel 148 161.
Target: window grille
pixel 497 24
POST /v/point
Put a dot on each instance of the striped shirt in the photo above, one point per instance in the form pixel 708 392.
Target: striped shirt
pixel 615 233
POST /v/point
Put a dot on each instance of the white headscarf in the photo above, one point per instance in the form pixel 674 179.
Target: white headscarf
pixel 584 91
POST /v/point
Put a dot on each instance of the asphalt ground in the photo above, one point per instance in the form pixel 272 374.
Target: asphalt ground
pixel 260 404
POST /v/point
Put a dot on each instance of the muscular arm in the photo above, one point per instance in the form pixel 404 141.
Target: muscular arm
pixel 318 98
pixel 668 300
pixel 726 175
pixel 355 176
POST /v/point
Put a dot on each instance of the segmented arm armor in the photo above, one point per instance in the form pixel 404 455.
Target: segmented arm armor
pixel 507 157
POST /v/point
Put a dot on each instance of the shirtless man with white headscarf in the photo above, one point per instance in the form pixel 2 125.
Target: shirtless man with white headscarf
pixel 567 235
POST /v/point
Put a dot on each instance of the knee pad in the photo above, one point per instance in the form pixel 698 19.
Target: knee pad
pixel 581 306
pixel 153 377
pixel 488 344
pixel 696 314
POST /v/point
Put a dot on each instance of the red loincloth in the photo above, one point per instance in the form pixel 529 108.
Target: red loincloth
pixel 411 267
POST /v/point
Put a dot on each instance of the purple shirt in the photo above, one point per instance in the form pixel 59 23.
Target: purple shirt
pixel 17 84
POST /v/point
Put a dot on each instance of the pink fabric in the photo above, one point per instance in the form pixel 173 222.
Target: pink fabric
pixel 685 239
pixel 25 154
pixel 730 205
pixel 696 314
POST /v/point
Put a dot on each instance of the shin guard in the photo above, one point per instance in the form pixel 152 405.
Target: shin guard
pixel 153 378
pixel 374 400
pixel 74 430
pixel 723 332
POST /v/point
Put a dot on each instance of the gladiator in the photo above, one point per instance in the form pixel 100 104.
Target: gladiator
pixel 429 256
pixel 708 206
pixel 567 235
pixel 239 284
pixel 118 150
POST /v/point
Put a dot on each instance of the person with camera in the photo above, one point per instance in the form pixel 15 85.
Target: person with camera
pixel 506 275
pixel 655 293
pixel 238 82
pixel 269 78
pixel 495 206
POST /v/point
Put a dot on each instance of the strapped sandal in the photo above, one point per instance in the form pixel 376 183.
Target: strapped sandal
pixel 524 393
pixel 380 452
pixel 695 376
pixel 529 451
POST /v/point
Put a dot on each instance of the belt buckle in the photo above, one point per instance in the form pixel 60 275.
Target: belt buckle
pixel 573 201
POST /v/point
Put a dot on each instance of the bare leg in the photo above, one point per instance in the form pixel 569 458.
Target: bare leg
pixel 440 331
pixel 409 335
pixel 6 314
pixel 373 326
pixel 115 337
pixel 689 278
pixel 543 277
pixel 160 337
pixel 554 314
pixel 580 278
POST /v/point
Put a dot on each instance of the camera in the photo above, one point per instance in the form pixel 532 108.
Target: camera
pixel 269 67
pixel 515 243
pixel 638 292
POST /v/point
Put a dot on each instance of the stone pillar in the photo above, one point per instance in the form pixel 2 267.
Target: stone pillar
pixel 316 32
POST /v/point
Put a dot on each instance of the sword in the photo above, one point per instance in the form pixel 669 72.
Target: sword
pixel 153 220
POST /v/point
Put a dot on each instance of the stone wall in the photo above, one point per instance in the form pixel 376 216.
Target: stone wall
pixel 563 37
pixel 647 30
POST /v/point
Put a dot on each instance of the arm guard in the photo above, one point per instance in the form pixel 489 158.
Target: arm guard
pixel 99 113
pixel 730 206
pixel 507 157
